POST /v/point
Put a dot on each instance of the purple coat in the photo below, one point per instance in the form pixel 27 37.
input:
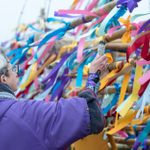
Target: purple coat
pixel 36 125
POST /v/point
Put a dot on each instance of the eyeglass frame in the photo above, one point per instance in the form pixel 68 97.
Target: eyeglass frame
pixel 14 68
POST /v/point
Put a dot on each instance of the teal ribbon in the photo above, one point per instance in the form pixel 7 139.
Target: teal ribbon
pixel 80 69
pixel 59 33
pixel 113 101
pixel 111 19
pixel 145 133
pixel 56 20
pixel 35 29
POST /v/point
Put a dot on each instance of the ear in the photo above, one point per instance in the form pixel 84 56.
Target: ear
pixel 3 79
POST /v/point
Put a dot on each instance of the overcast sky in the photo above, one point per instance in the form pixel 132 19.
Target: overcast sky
pixel 10 12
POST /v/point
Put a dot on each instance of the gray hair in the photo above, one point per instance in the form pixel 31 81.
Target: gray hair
pixel 3 65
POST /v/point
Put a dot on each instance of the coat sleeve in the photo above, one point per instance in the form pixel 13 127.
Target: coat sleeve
pixel 56 124
pixel 97 119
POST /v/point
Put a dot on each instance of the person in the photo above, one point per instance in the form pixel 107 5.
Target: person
pixel 39 125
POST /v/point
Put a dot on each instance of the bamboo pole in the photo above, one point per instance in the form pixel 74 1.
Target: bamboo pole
pixel 117 35
pixel 138 128
pixel 107 8
pixel 112 142
pixel 112 89
pixel 129 142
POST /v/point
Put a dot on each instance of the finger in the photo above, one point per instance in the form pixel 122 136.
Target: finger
pixel 102 65
pixel 101 61
pixel 100 56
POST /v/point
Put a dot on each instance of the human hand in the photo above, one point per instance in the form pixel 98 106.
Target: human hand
pixel 98 64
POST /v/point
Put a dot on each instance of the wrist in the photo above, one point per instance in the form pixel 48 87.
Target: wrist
pixel 94 76
pixel 93 82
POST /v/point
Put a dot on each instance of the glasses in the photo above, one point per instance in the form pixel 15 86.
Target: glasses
pixel 15 68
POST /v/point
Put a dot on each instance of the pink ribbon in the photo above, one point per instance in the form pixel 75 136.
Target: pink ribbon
pixel 82 12
pixel 112 30
pixel 144 78
pixel 50 44
pixel 80 49
pixel 92 5
pixel 142 62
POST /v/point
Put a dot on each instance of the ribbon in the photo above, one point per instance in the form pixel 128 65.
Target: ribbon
pixel 80 70
pixel 143 39
pixel 112 30
pixel 59 33
pixel 80 4
pixel 47 48
pixel 32 73
pixel 144 101
pixel 35 29
pixel 81 12
pixel 143 87
pixel 123 134
pixel 113 75
pixel 126 38
pixel 133 18
pixel 144 26
pixel 58 88
pixel 111 18
pixel 80 49
pixel 92 4
pixel 123 122
pixel 142 136
pixel 134 96
pixel 75 2
pixel 130 4
pixel 122 93
pixel 142 62
pixel 65 15
pixel 93 24
pixel 145 78
pixel 18 54
pixel 55 20
pixel 109 102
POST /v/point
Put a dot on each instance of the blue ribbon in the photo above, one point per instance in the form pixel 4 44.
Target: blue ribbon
pixel 114 99
pixel 56 20
pixel 59 33
pixel 35 29
pixel 114 20
pixel 80 69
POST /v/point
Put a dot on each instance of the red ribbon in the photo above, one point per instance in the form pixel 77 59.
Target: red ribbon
pixel 142 41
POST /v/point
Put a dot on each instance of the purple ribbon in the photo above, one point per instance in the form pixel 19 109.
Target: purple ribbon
pixel 145 26
pixel 59 91
pixel 51 81
pixel 136 145
pixel 130 4
pixel 52 76
pixel 65 15
pixel 56 68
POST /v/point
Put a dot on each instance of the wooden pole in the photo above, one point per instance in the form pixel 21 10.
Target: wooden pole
pixel 112 89
pixel 107 8
pixel 128 142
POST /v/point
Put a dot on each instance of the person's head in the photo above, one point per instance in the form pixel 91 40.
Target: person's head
pixel 8 73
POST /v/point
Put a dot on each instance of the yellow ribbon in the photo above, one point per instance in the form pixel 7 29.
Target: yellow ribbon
pixel 122 93
pixel 35 73
pixel 123 122
pixel 114 74
pixel 126 38
pixel 126 105
pixel 31 76
pixel 66 48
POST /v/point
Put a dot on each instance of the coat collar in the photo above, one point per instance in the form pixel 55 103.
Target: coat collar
pixel 6 92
